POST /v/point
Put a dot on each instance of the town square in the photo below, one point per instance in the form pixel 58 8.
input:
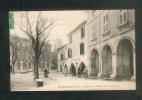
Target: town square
pixel 72 50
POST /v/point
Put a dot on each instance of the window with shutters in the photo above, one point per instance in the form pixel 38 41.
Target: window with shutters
pixel 69 53
pixel 106 24
pixel 61 56
pixel 81 48
pixel 82 32
pixel 93 31
pixel 123 17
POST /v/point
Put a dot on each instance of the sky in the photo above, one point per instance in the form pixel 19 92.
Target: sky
pixel 66 21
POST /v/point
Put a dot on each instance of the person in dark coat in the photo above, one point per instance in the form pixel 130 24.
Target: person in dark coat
pixel 66 70
pixel 74 72
pixel 46 73
pixel 85 72
pixel 79 73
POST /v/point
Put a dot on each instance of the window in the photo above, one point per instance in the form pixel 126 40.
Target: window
pixel 82 32
pixel 104 19
pixel 70 39
pixel 105 23
pixel 93 31
pixel 123 17
pixel 62 57
pixel 81 48
pixel 69 53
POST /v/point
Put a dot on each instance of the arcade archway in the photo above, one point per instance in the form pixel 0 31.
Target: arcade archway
pixel 125 59
pixel 107 61
pixel 94 62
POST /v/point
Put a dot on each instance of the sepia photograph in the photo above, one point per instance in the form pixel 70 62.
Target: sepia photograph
pixel 72 50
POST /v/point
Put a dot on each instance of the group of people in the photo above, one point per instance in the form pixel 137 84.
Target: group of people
pixel 80 72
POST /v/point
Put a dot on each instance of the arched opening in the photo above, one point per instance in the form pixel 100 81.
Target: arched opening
pixel 106 61
pixel 81 69
pixel 94 63
pixel 125 59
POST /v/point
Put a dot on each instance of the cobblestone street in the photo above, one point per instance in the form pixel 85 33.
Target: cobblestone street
pixel 57 82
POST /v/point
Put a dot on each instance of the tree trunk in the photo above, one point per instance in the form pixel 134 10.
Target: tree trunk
pixel 27 66
pixel 36 67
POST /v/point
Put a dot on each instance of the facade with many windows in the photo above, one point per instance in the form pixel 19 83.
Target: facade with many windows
pixel 111 39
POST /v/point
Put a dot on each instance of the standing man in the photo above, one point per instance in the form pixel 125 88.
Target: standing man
pixel 66 70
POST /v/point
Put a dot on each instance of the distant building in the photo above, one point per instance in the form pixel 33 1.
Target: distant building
pixel 58 43
pixel 21 52
pixel 55 44
pixel 62 57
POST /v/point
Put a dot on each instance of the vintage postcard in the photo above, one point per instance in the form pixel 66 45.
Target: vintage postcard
pixel 75 50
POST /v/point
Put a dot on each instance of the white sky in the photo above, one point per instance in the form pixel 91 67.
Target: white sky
pixel 68 21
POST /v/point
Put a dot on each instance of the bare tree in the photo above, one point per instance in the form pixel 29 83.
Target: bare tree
pixel 38 34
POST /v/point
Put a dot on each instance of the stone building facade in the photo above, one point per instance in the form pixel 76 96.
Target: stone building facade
pixel 111 39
